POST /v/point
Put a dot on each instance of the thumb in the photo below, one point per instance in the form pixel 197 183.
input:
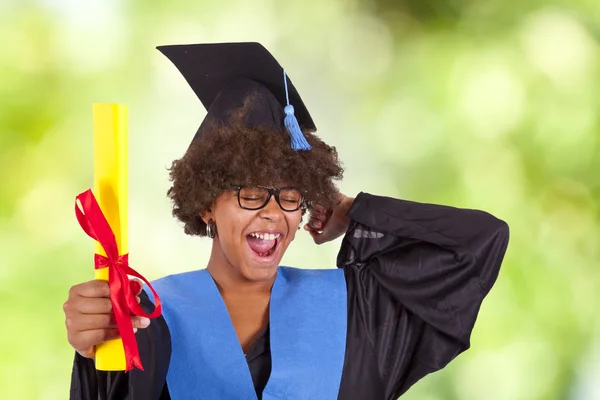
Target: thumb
pixel 317 236
pixel 136 286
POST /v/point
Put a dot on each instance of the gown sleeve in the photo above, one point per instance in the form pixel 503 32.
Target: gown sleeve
pixel 154 346
pixel 417 275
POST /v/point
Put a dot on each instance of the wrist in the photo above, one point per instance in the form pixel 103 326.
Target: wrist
pixel 346 204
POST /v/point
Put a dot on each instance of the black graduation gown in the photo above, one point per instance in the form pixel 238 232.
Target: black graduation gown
pixel 416 276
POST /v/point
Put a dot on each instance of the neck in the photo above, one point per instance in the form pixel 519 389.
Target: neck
pixel 230 281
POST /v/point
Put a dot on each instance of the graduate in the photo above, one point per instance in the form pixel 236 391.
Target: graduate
pixel 399 303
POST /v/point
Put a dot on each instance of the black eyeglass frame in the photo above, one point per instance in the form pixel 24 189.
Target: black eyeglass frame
pixel 271 192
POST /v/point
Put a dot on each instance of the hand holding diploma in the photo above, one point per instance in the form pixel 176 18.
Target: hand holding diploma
pixel 90 319
pixel 99 313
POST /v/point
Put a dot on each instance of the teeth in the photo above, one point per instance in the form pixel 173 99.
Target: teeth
pixel 265 236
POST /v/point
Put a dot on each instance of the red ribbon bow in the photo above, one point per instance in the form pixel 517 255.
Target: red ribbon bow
pixel 123 300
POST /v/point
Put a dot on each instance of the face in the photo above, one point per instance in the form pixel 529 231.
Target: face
pixel 250 243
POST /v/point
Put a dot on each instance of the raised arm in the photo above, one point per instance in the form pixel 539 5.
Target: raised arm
pixel 417 275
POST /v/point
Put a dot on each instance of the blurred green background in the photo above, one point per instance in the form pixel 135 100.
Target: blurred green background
pixel 482 104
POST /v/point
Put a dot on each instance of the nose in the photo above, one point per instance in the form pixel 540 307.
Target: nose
pixel 271 211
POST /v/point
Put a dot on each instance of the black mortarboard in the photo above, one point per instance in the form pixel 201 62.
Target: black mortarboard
pixel 223 75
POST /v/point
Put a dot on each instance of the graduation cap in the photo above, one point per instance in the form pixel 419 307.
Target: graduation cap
pixel 224 75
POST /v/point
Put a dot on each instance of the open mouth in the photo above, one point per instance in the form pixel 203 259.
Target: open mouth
pixel 263 244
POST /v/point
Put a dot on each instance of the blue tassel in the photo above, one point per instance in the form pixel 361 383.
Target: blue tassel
pixel 298 141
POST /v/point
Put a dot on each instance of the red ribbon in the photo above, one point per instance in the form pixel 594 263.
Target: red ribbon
pixel 94 223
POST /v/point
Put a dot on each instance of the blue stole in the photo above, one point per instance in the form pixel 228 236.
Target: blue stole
pixel 308 322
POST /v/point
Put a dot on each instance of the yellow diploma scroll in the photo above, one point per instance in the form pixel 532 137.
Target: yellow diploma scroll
pixel 111 191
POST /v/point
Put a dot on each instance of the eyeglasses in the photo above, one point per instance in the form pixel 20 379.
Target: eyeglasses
pixel 256 197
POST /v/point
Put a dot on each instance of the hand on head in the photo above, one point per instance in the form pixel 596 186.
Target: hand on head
pixel 89 316
pixel 325 225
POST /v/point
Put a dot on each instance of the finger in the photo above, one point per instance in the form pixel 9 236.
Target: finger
pixel 324 215
pixel 140 322
pixel 310 228
pixel 83 341
pixel 84 322
pixel 87 353
pixel 89 305
pixel 94 288
pixel 78 327
pixel 317 236
pixel 315 223
pixel 319 209
pixel 313 231
pixel 314 234
pixel 320 238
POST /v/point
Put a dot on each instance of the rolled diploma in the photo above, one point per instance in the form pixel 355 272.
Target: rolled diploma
pixel 111 191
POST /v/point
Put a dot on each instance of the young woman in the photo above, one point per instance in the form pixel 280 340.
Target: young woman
pixel 402 302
